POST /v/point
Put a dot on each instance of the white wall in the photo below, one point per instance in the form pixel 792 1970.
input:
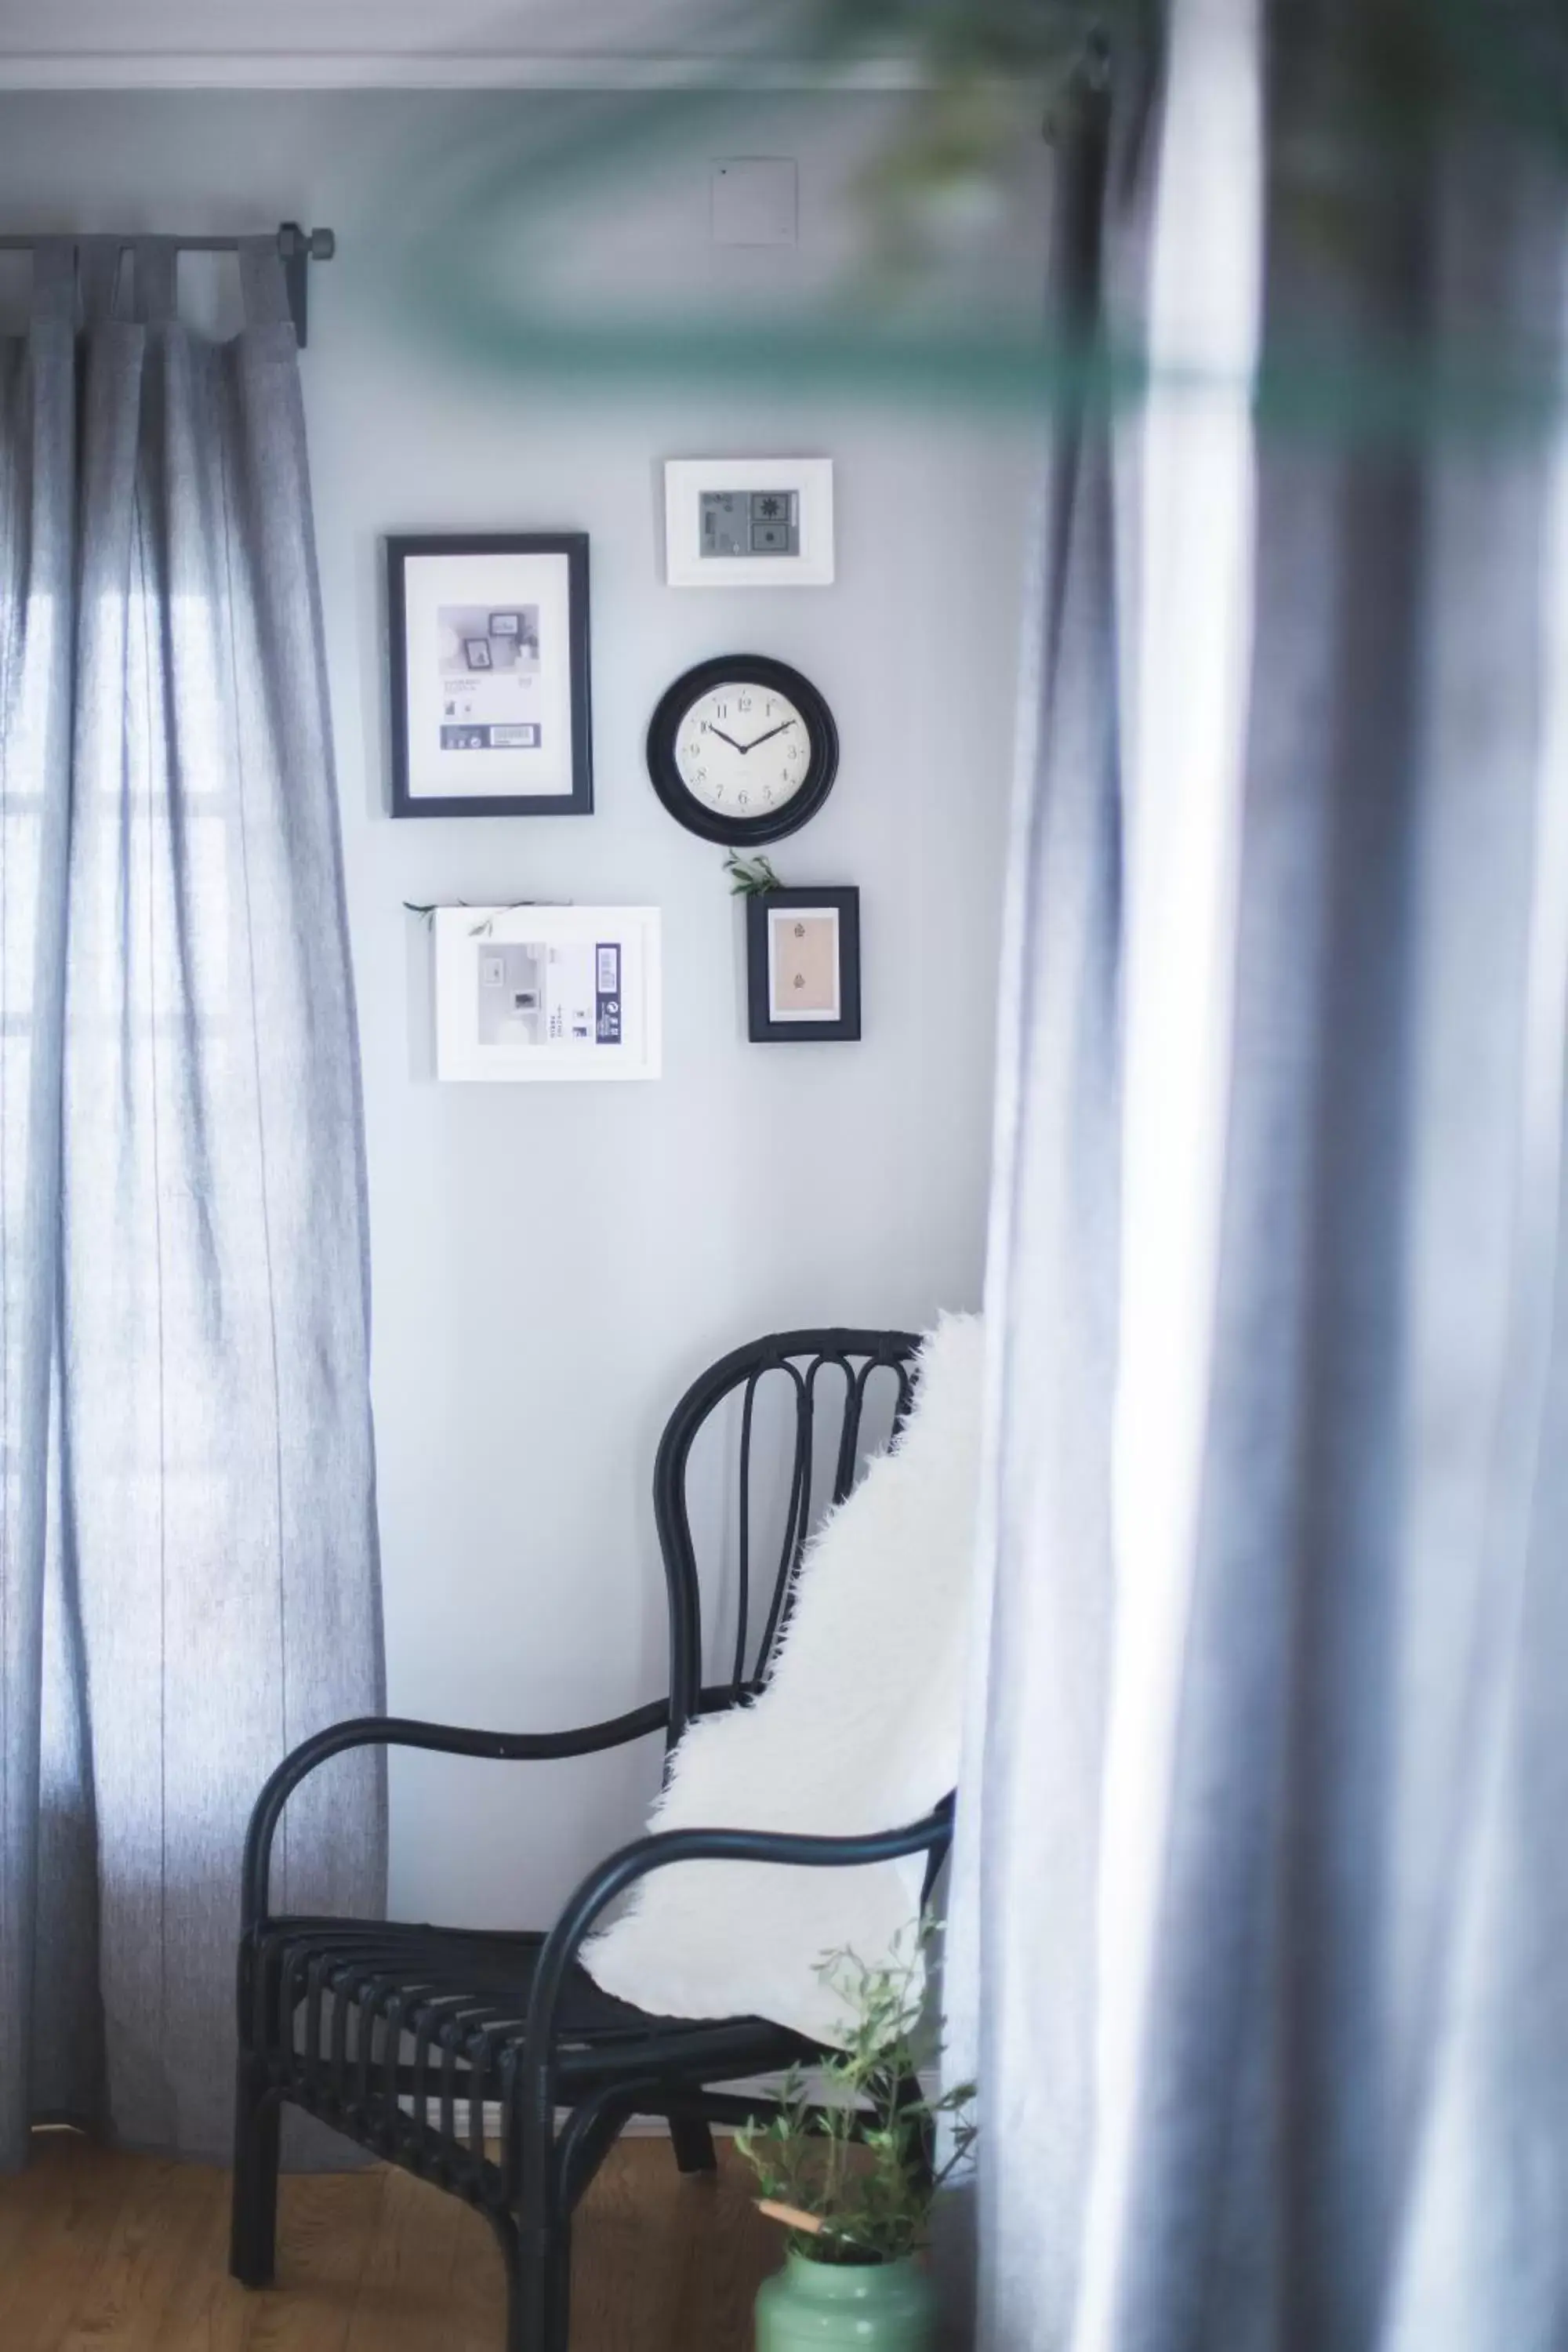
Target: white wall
pixel 552 1264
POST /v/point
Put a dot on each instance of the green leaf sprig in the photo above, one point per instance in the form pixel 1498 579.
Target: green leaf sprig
pixel 750 877
pixel 857 2150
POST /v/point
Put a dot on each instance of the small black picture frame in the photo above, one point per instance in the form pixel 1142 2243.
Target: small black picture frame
pixel 489 675
pixel 803 966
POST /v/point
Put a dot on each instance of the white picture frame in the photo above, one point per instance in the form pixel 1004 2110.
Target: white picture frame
pixel 693 485
pixel 547 993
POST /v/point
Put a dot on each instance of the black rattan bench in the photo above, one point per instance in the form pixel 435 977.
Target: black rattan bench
pixel 490 2064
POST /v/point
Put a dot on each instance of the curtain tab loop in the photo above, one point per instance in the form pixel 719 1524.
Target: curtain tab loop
pixel 98 260
pixel 54 279
pixel 262 283
pixel 157 258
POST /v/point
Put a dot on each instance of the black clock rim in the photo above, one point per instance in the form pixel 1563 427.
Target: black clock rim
pixel 745 669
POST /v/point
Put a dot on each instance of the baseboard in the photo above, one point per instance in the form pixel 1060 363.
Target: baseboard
pixel 639 2127
pixel 642 2126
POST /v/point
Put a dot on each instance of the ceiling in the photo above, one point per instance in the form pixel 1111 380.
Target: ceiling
pixel 397 44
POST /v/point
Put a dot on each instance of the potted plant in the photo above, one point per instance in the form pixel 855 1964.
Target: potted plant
pixel 848 2162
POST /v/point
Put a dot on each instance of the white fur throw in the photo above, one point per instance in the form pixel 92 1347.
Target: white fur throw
pixel 856 1731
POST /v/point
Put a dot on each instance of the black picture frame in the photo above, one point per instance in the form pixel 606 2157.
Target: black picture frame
pixel 763 1025
pixel 713 825
pixel 572 544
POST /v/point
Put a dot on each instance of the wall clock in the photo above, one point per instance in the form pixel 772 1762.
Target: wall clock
pixel 742 749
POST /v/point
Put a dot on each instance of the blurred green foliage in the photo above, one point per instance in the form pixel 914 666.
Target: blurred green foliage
pixel 1356 90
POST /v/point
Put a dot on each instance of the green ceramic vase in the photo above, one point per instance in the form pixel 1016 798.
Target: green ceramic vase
pixel 845 2307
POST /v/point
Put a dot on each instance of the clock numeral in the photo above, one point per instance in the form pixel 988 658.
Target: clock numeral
pixel 745 798
pixel 744 702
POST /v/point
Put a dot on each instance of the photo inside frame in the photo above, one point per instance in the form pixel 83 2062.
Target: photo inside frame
pixel 488 664
pixel 804 975
pixel 545 991
pixel 534 994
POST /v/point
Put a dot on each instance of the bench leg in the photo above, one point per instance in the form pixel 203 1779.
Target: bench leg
pixel 253 2236
pixel 693 2144
pixel 539 2286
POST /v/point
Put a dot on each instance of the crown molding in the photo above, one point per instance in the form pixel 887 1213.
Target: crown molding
pixel 445 70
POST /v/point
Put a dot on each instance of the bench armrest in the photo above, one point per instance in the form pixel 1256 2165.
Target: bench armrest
pixel 401 1731
pixel 931 1835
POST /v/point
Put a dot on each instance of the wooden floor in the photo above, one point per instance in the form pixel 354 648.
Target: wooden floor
pixel 102 2252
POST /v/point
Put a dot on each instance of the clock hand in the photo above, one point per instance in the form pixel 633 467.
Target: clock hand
pixel 727 739
pixel 762 738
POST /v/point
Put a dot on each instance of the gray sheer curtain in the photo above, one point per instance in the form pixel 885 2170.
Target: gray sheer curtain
pixel 1262 1905
pixel 188 1573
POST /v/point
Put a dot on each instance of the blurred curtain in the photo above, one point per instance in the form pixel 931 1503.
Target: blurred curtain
pixel 188 1573
pixel 1261 1903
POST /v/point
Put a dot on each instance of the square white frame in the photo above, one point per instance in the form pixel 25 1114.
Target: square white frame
pixel 685 480
pixel 461 933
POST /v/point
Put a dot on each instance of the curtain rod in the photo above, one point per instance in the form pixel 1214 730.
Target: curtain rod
pixel 296 249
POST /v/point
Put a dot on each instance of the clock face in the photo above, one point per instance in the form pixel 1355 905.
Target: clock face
pixel 744 750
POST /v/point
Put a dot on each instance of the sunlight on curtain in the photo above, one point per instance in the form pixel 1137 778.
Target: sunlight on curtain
pixel 189 1580
pixel 1186 736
